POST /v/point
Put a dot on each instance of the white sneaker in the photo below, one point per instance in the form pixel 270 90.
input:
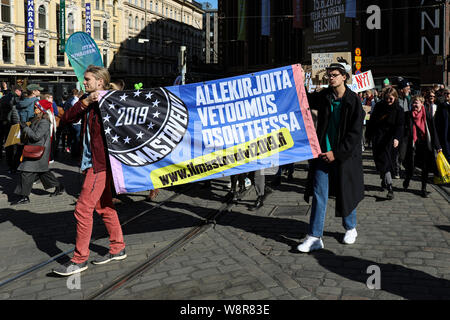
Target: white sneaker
pixel 350 236
pixel 248 183
pixel 310 244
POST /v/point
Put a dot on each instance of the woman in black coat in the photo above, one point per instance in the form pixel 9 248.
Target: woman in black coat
pixel 421 142
pixel 37 134
pixel 442 122
pixel 385 129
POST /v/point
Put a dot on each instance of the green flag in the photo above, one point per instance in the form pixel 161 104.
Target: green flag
pixel 82 51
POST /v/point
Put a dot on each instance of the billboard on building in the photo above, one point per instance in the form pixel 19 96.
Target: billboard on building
pixel 328 29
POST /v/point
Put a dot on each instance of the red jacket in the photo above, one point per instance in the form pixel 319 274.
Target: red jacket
pixel 97 135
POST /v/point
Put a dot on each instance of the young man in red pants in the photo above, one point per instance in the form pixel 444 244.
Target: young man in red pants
pixel 96 191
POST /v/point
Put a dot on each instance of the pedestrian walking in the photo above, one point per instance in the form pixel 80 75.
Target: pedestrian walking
pixel 404 101
pixel 442 121
pixel 385 130
pixel 96 189
pixel 338 170
pixel 258 179
pixel 430 105
pixel 422 142
pixel 235 193
pixel 25 106
pixel 8 117
pixel 38 134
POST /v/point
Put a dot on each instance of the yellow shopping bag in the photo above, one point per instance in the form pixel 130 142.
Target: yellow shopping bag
pixel 13 136
pixel 443 169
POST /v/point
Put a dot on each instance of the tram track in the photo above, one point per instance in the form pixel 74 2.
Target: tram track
pixel 42 264
pixel 162 254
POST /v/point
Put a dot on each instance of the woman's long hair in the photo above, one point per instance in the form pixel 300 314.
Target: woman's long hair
pixel 389 91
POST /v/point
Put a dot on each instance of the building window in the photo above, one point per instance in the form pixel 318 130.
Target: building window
pixel 130 22
pixel 151 5
pixel 105 31
pixel 105 58
pixel 103 5
pixel 142 24
pixel 114 8
pixel 136 23
pixel 156 6
pixel 114 33
pixel 42 55
pixel 41 16
pixel 6 49
pixel 70 23
pixel 97 4
pixel 29 57
pixel 6 11
pixel 97 29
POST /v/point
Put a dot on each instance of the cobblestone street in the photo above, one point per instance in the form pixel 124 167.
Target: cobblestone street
pixel 246 255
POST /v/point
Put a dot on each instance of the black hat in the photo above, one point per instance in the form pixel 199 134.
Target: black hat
pixel 403 84
pixel 338 66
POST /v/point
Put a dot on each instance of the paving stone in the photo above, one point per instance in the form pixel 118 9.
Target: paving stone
pixel 237 290
pixel 248 252
pixel 145 286
pixel 257 295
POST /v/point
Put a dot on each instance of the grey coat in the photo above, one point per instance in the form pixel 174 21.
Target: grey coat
pixel 38 134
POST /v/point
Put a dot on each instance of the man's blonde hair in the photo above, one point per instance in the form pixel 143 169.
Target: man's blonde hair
pixel 100 73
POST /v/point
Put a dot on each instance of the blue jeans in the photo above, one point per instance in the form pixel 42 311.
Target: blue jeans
pixel 319 203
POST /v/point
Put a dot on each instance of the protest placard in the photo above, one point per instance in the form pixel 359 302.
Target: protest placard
pixel 322 60
pixel 362 82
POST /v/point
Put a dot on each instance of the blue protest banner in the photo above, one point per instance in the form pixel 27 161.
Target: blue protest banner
pixel 175 135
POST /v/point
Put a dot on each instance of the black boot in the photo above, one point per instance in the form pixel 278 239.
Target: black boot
pixel 236 196
pixel 424 192
pixel 258 203
pixel 276 182
pixel 22 200
pixel 390 194
pixel 58 190
pixel 406 184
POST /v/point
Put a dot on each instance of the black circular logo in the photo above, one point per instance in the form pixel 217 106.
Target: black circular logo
pixel 143 126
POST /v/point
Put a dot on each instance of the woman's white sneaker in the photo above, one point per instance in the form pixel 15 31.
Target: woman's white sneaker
pixel 350 236
pixel 310 244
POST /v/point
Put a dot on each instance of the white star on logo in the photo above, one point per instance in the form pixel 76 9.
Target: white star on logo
pixel 150 126
pixel 156 114
pixel 148 95
pixel 108 131
pixel 115 138
pixel 140 135
pixel 112 106
pixel 106 118
pixel 124 97
pixel 137 93
pixel 155 104
pixel 127 140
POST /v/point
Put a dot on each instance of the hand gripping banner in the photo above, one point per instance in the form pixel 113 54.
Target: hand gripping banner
pixel 162 137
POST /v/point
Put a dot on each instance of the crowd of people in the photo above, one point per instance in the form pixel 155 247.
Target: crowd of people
pixel 401 129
